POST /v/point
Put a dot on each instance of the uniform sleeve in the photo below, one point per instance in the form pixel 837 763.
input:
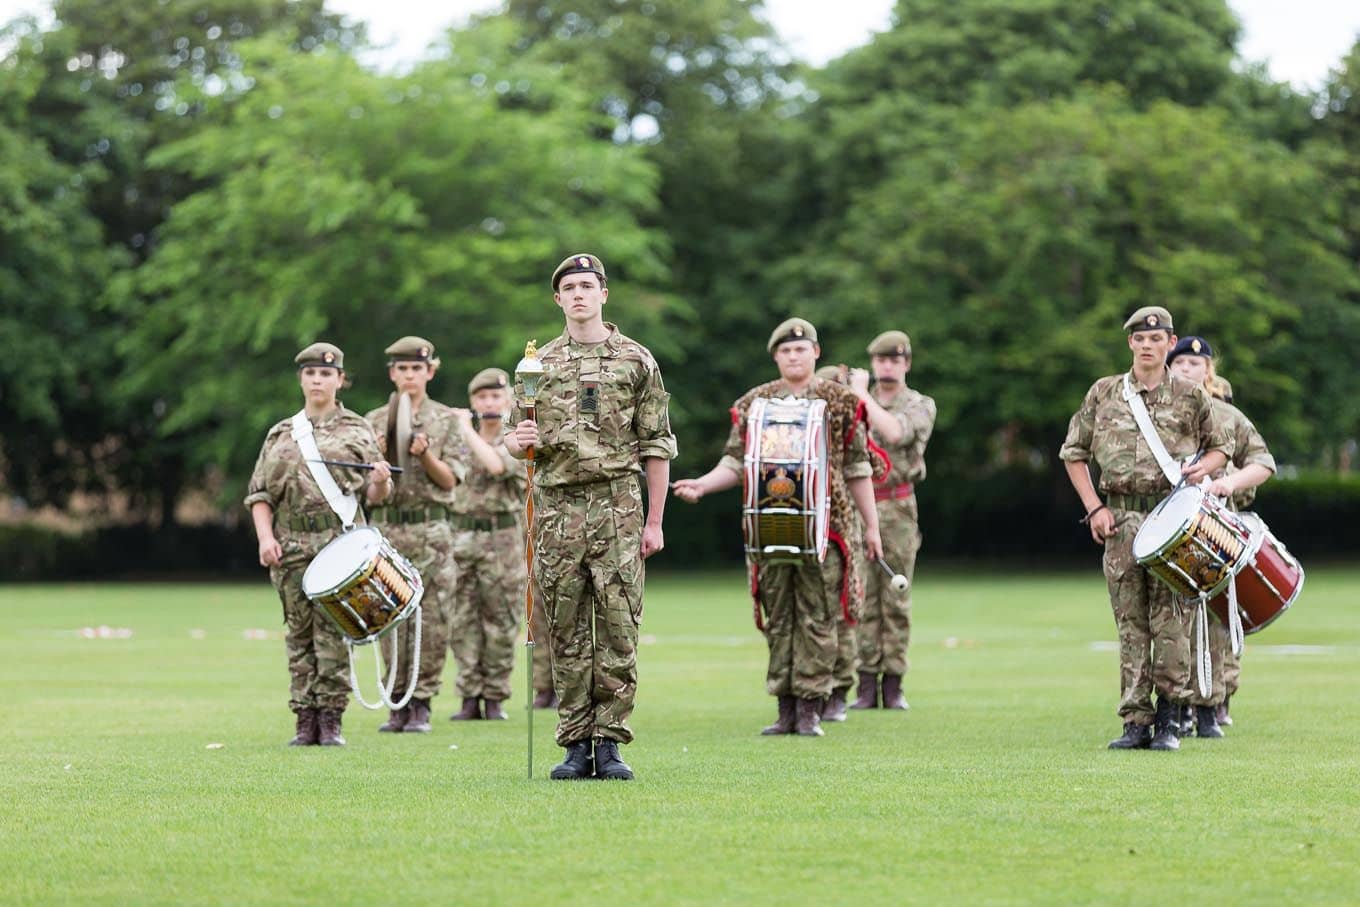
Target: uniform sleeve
pixel 363 445
pixel 257 490
pixel 1251 447
pixel 1076 446
pixel 918 421
pixel 652 420
pixel 455 454
pixel 734 451
pixel 1215 429
pixel 514 469
pixel 857 462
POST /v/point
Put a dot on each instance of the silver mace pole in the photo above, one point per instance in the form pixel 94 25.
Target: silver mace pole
pixel 529 373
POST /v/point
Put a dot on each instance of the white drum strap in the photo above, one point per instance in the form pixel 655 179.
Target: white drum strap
pixel 1235 634
pixel 1134 399
pixel 344 505
pixel 1204 663
pixel 385 690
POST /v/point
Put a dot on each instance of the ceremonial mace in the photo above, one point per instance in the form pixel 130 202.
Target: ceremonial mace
pixel 529 373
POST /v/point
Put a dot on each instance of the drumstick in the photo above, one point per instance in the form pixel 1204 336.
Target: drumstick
pixel 396 470
pixel 899 582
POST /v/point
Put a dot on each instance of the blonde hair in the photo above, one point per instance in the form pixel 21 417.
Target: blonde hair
pixel 1215 385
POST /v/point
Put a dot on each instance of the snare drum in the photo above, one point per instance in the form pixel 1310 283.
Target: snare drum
pixel 1192 542
pixel 787 495
pixel 363 584
pixel 1268 580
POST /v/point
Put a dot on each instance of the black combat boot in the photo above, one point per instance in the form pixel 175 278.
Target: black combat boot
pixel 608 765
pixel 330 728
pixel 868 691
pixel 1136 737
pixel 834 709
pixel 810 718
pixel 577 766
pixel 1187 719
pixel 471 710
pixel 545 699
pixel 492 711
pixel 308 734
pixel 418 717
pixel 1168 725
pixel 396 721
pixel 1206 722
pixel 786 724
pixel 892 693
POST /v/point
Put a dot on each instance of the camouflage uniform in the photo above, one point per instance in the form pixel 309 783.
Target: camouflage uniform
pixel 304 524
pixel 884 630
pixel 489 546
pixel 802 604
pixel 1154 628
pixel 602 408
pixel 1248 448
pixel 415 520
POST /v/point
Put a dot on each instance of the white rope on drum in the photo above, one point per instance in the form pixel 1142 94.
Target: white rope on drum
pixel 1204 666
pixel 385 689
pixel 1235 632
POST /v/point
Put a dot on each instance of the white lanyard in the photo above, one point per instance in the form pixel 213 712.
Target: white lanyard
pixel 344 505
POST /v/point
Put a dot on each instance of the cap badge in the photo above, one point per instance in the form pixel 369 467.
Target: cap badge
pixel 583 261
pixel 797 331
pixel 1194 345
pixel 1152 320
pixel 328 356
pixel 424 352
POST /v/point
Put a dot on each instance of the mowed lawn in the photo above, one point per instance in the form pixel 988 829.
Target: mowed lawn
pixel 996 787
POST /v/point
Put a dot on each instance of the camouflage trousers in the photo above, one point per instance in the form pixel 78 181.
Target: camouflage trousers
pixel 538 623
pixel 589 575
pixel 318 664
pixel 884 630
pixel 487 610
pixel 429 547
pixel 800 604
pixel 846 666
pixel 1154 627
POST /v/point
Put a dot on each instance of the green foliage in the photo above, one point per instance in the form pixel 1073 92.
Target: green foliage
pixel 1010 243
pixel 344 205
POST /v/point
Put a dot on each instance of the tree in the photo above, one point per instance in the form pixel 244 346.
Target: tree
pixel 344 205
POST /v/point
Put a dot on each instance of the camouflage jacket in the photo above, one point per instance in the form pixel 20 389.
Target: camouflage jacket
pixel 915 412
pixel 1248 448
pixel 415 488
pixel 1103 431
pixel 283 481
pixel 602 408
pixel 484 494
pixel 847 454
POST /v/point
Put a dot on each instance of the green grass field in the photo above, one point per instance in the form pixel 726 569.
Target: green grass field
pixel 995 788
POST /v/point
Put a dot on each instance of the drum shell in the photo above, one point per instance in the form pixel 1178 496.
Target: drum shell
pixel 381 591
pixel 1201 554
pixel 1267 584
pixel 786 480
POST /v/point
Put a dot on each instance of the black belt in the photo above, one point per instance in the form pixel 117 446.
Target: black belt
pixel 313 522
pixel 1141 503
pixel 428 514
pixel 484 523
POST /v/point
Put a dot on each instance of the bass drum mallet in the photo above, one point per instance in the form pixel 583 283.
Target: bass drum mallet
pixel 899 582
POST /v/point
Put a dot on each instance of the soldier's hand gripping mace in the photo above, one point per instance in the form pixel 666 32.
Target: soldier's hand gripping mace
pixel 899 582
pixel 529 373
